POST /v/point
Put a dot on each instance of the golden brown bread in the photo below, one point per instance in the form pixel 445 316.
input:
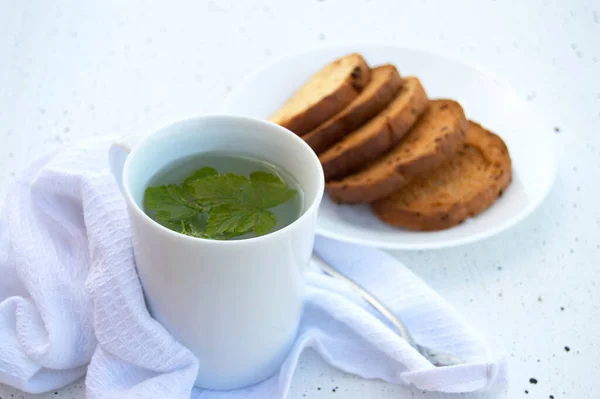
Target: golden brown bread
pixel 433 139
pixel 377 136
pixel 381 90
pixel 463 187
pixel 325 94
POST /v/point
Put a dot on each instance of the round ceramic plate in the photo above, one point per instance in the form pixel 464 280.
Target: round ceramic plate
pixel 496 107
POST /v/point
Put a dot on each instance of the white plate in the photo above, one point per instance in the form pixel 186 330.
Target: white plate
pixel 498 108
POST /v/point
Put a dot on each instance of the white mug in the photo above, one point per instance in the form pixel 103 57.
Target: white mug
pixel 235 304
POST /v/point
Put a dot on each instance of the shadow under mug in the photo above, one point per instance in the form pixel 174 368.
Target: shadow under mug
pixel 235 304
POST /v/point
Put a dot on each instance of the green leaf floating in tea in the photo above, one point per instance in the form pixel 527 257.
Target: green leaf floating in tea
pixel 200 173
pixel 270 189
pixel 219 206
pixel 171 203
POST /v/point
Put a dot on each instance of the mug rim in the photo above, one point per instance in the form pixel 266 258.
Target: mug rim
pixel 238 119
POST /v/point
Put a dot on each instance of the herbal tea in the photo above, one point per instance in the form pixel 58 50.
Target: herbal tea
pixel 223 196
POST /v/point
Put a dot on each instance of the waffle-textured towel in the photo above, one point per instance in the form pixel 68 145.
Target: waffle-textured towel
pixel 71 302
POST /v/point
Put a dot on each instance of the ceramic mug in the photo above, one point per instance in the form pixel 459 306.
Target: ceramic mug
pixel 235 304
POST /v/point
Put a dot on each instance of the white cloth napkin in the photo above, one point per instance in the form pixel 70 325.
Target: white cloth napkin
pixel 71 301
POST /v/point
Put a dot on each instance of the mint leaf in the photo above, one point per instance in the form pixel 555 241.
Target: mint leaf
pixel 222 189
pixel 219 206
pixel 201 173
pixel 175 225
pixel 265 222
pixel 235 219
pixel 197 224
pixel 239 205
pixel 169 203
pixel 270 189
pixel 263 190
pixel 230 218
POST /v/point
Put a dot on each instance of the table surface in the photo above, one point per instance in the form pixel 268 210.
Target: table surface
pixel 73 69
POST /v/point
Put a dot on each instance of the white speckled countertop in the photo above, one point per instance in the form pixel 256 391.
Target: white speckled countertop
pixel 72 69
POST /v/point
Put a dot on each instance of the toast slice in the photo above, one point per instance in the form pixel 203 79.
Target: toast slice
pixel 436 136
pixel 325 94
pixel 383 87
pixel 463 187
pixel 376 137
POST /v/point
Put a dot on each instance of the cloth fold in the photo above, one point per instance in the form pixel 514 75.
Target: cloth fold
pixel 71 302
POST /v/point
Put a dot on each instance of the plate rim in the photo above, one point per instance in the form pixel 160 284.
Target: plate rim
pixel 440 244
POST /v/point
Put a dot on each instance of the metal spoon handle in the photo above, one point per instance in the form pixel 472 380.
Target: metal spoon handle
pixel 435 357
pixel 370 298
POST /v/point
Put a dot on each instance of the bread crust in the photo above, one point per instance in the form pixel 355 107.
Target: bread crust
pixel 379 135
pixel 436 136
pixel 325 94
pixel 412 208
pixel 383 87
